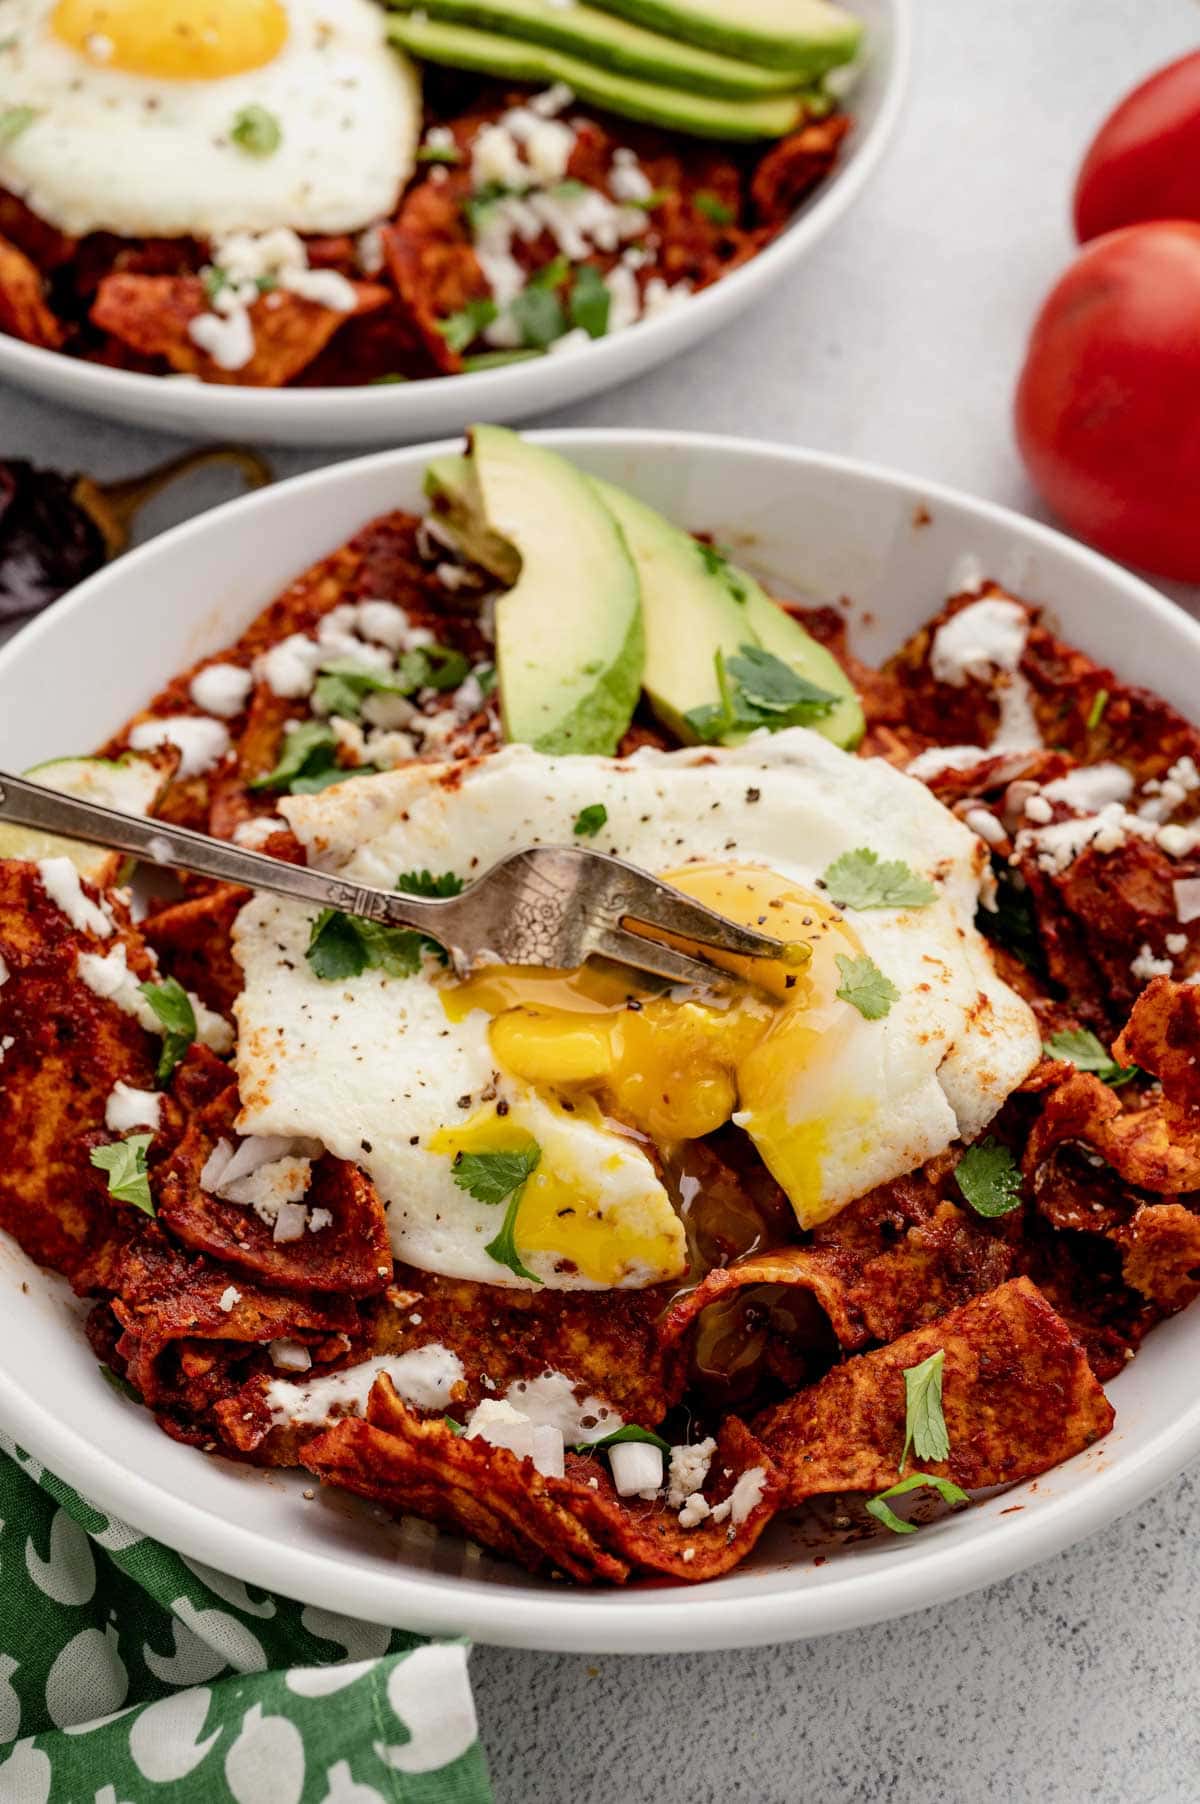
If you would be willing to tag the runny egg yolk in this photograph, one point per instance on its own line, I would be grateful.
(177, 40)
(675, 1069)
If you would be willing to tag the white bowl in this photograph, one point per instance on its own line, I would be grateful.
(820, 527)
(402, 412)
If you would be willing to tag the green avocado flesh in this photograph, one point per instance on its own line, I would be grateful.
(611, 43)
(805, 36)
(132, 785)
(695, 605)
(509, 58)
(569, 644)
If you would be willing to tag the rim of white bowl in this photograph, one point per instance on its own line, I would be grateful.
(930, 1571)
(227, 411)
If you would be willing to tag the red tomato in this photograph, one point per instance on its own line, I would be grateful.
(1144, 162)
(1108, 405)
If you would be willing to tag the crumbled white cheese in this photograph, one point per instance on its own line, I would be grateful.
(1176, 943)
(637, 1469)
(388, 712)
(5, 1044)
(1187, 899)
(743, 1498)
(4, 971)
(1039, 810)
(268, 1188)
(227, 338)
(983, 822)
(627, 179)
(228, 1297)
(1145, 966)
(551, 1398)
(60, 880)
(128, 1108)
(500, 1425)
(383, 623)
(289, 1356)
(424, 1378)
(319, 1219)
(290, 668)
(254, 833)
(221, 689)
(694, 1510)
(369, 251)
(688, 1470)
(110, 978)
(1178, 842)
(202, 742)
(624, 298)
(496, 159)
(577, 339)
(555, 99)
(661, 298)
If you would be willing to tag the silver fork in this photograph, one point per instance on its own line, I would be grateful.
(545, 905)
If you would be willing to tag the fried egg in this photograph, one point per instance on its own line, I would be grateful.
(606, 1073)
(170, 118)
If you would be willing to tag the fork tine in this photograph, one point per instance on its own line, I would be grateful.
(668, 909)
(648, 955)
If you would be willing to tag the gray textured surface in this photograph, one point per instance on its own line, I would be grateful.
(899, 342)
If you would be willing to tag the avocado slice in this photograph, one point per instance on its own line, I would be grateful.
(806, 36)
(508, 58)
(611, 43)
(569, 641)
(132, 785)
(696, 604)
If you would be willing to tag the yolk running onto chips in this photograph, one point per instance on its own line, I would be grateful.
(675, 1069)
(176, 40)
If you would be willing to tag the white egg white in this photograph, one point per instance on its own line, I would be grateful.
(142, 156)
(375, 1060)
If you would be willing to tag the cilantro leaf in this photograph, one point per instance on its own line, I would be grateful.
(424, 883)
(589, 820)
(312, 783)
(713, 208)
(1096, 712)
(119, 1384)
(456, 1428)
(538, 316)
(257, 132)
(865, 986)
(478, 207)
(861, 879)
(924, 1423)
(717, 564)
(757, 689)
(1013, 922)
(946, 1490)
(342, 946)
(14, 120)
(1086, 1053)
(988, 1177)
(462, 328)
(308, 751)
(490, 1178)
(173, 1006)
(439, 153)
(552, 274)
(125, 1163)
(630, 1432)
(343, 685)
(590, 301)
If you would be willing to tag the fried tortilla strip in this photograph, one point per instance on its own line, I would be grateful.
(23, 309)
(575, 1524)
(194, 941)
(1154, 1144)
(1017, 1394)
(152, 314)
(1161, 1248)
(794, 166)
(64, 1049)
(433, 263)
(351, 1254)
(938, 1266)
(166, 1296)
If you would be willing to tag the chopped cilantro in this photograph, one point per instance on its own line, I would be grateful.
(343, 685)
(861, 879)
(630, 1432)
(257, 132)
(424, 883)
(173, 1006)
(589, 820)
(1013, 922)
(649, 202)
(439, 153)
(342, 945)
(14, 120)
(1096, 711)
(481, 203)
(988, 1177)
(212, 279)
(946, 1490)
(569, 190)
(119, 1384)
(496, 360)
(757, 689)
(125, 1163)
(485, 676)
(461, 328)
(538, 316)
(865, 986)
(454, 1427)
(1085, 1051)
(713, 208)
(308, 751)
(590, 301)
(551, 275)
(717, 564)
(386, 381)
(493, 1177)
(924, 1423)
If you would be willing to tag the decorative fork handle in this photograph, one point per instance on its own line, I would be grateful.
(27, 804)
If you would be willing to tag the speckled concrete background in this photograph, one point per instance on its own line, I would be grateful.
(899, 341)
